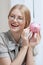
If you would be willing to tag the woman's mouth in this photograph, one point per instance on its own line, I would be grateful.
(14, 25)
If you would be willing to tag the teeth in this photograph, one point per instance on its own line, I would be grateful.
(14, 25)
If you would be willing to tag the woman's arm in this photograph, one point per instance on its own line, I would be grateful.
(33, 42)
(30, 58)
(19, 59)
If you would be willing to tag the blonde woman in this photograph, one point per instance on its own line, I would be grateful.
(15, 47)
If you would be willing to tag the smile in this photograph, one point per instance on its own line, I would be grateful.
(14, 25)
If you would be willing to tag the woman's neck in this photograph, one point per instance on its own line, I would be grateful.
(16, 36)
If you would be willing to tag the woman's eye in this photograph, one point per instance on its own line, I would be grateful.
(20, 18)
(12, 16)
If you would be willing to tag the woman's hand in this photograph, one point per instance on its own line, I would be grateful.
(35, 39)
(24, 37)
(29, 38)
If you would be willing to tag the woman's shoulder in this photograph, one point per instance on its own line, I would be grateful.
(3, 36)
(3, 47)
(3, 33)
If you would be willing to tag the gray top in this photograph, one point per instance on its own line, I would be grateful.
(8, 46)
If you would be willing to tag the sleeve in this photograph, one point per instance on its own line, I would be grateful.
(3, 49)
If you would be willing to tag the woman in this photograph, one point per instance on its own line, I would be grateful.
(15, 47)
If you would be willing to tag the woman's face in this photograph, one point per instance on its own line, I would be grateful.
(16, 20)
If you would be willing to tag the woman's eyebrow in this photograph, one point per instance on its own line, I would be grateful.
(20, 16)
(12, 14)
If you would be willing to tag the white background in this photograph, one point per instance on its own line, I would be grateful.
(5, 5)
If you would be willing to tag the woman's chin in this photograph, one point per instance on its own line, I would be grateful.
(14, 30)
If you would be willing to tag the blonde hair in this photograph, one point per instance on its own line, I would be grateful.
(24, 10)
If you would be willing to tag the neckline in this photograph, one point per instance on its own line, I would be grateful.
(17, 43)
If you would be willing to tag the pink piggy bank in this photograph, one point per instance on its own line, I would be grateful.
(35, 28)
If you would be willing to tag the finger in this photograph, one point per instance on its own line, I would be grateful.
(38, 38)
(30, 35)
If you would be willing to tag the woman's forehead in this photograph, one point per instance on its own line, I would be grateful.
(17, 11)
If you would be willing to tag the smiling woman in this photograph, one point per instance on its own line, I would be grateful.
(15, 47)
(16, 20)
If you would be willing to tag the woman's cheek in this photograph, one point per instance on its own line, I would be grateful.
(22, 26)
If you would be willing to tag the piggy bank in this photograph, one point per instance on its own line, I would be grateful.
(35, 28)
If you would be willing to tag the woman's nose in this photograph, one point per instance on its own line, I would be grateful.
(15, 19)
